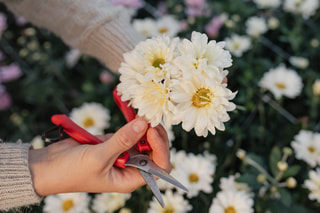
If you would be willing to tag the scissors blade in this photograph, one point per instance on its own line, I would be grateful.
(143, 162)
(152, 183)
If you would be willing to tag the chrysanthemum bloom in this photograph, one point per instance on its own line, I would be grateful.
(306, 145)
(175, 203)
(109, 202)
(145, 76)
(232, 201)
(93, 117)
(306, 8)
(263, 4)
(200, 106)
(230, 183)
(313, 185)
(146, 26)
(167, 25)
(37, 142)
(256, 26)
(237, 44)
(196, 173)
(67, 203)
(299, 62)
(202, 58)
(282, 81)
(10, 72)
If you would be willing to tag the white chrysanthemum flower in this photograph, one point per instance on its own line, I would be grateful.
(167, 25)
(273, 23)
(306, 8)
(109, 202)
(199, 56)
(299, 62)
(200, 106)
(147, 26)
(306, 145)
(93, 117)
(232, 201)
(72, 57)
(196, 174)
(230, 183)
(175, 203)
(177, 159)
(67, 203)
(263, 4)
(37, 142)
(256, 26)
(237, 44)
(313, 184)
(282, 81)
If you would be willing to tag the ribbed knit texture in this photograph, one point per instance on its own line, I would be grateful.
(16, 187)
(95, 27)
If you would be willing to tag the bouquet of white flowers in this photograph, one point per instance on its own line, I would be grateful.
(173, 81)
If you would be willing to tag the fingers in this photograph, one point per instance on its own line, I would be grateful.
(158, 140)
(125, 138)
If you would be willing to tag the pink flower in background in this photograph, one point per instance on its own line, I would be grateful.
(213, 27)
(129, 3)
(106, 77)
(5, 98)
(195, 3)
(21, 20)
(3, 23)
(9, 73)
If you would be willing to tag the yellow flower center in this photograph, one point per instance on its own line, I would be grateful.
(168, 209)
(311, 149)
(202, 97)
(193, 178)
(159, 61)
(280, 85)
(67, 205)
(88, 122)
(230, 209)
(163, 30)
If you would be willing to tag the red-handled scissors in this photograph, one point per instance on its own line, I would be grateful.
(138, 158)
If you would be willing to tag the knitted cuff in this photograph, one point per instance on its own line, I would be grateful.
(112, 40)
(16, 187)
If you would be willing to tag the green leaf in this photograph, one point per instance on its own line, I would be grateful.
(285, 196)
(291, 171)
(274, 158)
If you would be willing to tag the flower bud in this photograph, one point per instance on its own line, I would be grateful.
(241, 154)
(316, 87)
(291, 182)
(261, 178)
(282, 166)
(287, 151)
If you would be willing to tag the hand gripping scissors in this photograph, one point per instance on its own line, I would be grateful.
(137, 158)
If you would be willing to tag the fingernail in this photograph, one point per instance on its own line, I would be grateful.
(139, 125)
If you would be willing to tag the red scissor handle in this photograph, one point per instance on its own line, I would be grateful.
(129, 114)
(83, 136)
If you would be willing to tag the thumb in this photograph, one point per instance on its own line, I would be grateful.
(127, 136)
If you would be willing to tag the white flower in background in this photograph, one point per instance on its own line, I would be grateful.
(313, 185)
(93, 117)
(273, 23)
(37, 142)
(146, 26)
(167, 25)
(306, 145)
(175, 203)
(237, 44)
(200, 57)
(67, 203)
(232, 201)
(196, 173)
(316, 87)
(306, 8)
(230, 183)
(282, 81)
(72, 57)
(299, 62)
(200, 106)
(177, 158)
(109, 202)
(256, 26)
(263, 4)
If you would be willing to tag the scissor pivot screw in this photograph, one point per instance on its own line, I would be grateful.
(142, 142)
(143, 162)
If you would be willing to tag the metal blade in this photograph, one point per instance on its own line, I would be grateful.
(151, 181)
(144, 163)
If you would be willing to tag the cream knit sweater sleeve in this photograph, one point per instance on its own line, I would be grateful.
(95, 27)
(16, 187)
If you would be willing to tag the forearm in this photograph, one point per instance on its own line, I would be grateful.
(16, 187)
(96, 28)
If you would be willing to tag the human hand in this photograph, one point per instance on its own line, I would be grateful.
(68, 166)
